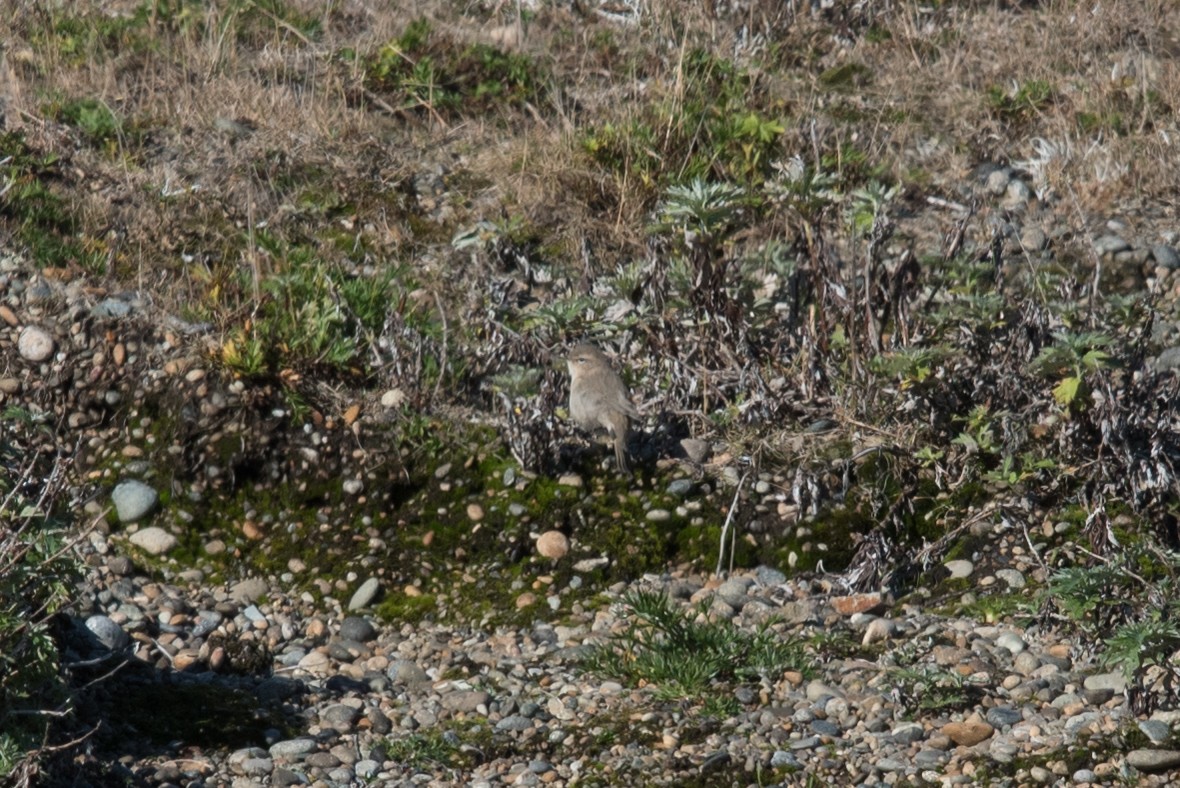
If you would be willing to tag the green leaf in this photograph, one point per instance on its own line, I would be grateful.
(1066, 391)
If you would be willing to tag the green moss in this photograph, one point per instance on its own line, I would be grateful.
(403, 608)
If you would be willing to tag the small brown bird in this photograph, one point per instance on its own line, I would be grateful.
(599, 399)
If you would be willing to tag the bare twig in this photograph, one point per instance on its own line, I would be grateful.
(729, 521)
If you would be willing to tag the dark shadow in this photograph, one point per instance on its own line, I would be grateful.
(127, 710)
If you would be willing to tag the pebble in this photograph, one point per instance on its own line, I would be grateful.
(1152, 761)
(153, 540)
(107, 632)
(1110, 245)
(133, 500)
(364, 594)
(1165, 256)
(34, 344)
(553, 545)
(959, 568)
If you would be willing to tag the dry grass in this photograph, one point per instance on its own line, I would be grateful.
(240, 119)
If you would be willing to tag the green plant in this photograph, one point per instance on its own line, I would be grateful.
(1019, 103)
(1129, 601)
(685, 654)
(37, 571)
(1070, 359)
(978, 435)
(933, 688)
(866, 204)
(312, 315)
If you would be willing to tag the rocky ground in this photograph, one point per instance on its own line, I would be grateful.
(197, 672)
(310, 563)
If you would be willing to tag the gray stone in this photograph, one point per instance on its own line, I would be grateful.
(107, 632)
(826, 728)
(781, 759)
(282, 777)
(996, 182)
(1110, 245)
(697, 450)
(1169, 358)
(1165, 256)
(1156, 730)
(680, 488)
(34, 344)
(358, 629)
(1154, 760)
(1111, 681)
(959, 568)
(340, 716)
(1033, 239)
(930, 758)
(207, 621)
(133, 500)
(120, 565)
(249, 590)
(768, 576)
(890, 765)
(1012, 577)
(366, 769)
(465, 701)
(1012, 642)
(1084, 776)
(111, 307)
(908, 733)
(514, 722)
(154, 540)
(293, 748)
(1025, 663)
(1087, 719)
(403, 671)
(365, 594)
(1004, 715)
(1016, 195)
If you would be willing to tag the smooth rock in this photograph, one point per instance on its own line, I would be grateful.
(1156, 730)
(249, 590)
(111, 307)
(358, 629)
(403, 671)
(293, 748)
(968, 733)
(34, 344)
(154, 540)
(878, 629)
(696, 450)
(1113, 681)
(553, 545)
(365, 594)
(1165, 256)
(1110, 245)
(959, 568)
(1012, 642)
(133, 500)
(857, 603)
(1012, 577)
(1154, 760)
(107, 632)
